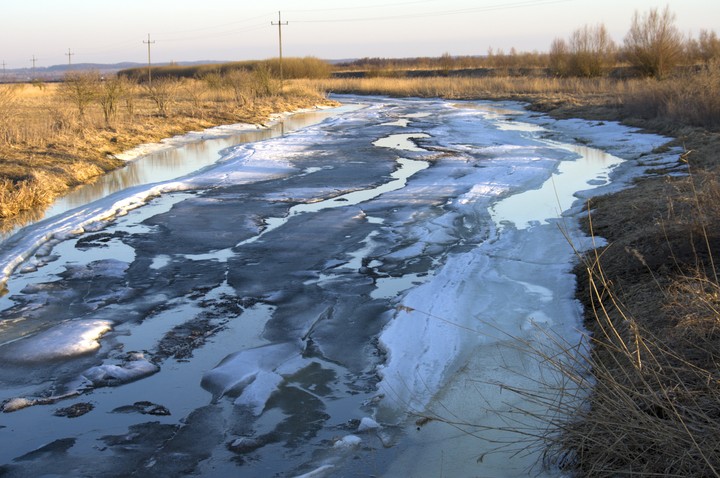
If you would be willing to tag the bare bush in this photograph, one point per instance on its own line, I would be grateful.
(708, 46)
(109, 95)
(81, 89)
(653, 44)
(263, 81)
(591, 51)
(163, 93)
(239, 82)
(559, 57)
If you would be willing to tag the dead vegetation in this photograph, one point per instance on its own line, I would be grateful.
(652, 297)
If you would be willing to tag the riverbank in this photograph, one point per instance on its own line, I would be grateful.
(48, 146)
(652, 308)
(651, 301)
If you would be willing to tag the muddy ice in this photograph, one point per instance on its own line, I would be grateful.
(295, 307)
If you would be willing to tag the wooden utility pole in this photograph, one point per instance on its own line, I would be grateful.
(33, 60)
(149, 64)
(69, 54)
(280, 25)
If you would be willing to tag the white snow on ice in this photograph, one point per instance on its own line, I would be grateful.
(63, 341)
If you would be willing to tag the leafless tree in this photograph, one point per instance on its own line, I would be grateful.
(163, 93)
(709, 45)
(239, 82)
(110, 93)
(558, 57)
(80, 88)
(591, 51)
(654, 44)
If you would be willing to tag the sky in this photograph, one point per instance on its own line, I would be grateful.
(109, 31)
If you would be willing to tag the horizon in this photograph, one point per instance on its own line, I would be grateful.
(179, 31)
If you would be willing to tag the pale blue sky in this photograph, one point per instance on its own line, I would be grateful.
(105, 31)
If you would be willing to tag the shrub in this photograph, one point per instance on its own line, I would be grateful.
(559, 57)
(708, 46)
(80, 89)
(653, 44)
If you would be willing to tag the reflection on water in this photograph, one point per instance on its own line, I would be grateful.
(592, 168)
(176, 162)
(172, 163)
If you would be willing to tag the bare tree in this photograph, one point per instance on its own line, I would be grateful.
(81, 89)
(559, 57)
(591, 51)
(163, 93)
(708, 45)
(239, 82)
(110, 93)
(653, 44)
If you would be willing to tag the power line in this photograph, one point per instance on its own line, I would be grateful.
(69, 54)
(364, 7)
(464, 11)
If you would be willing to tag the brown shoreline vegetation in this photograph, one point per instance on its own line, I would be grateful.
(652, 295)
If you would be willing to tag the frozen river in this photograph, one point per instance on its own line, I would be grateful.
(349, 299)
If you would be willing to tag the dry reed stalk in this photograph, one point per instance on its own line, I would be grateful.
(654, 409)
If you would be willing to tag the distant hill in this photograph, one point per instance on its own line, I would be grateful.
(56, 72)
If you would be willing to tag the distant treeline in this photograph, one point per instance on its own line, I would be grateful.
(653, 47)
(292, 68)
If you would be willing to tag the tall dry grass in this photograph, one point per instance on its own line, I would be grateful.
(691, 97)
(492, 87)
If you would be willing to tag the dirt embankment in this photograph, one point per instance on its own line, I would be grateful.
(652, 301)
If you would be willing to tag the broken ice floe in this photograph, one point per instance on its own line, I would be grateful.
(64, 341)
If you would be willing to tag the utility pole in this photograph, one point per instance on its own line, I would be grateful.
(33, 60)
(149, 64)
(4, 65)
(280, 25)
(69, 54)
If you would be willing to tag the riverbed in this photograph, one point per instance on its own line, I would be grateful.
(356, 297)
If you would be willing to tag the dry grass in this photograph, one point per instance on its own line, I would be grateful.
(689, 98)
(491, 87)
(653, 302)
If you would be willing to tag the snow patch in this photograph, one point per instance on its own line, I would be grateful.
(64, 341)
